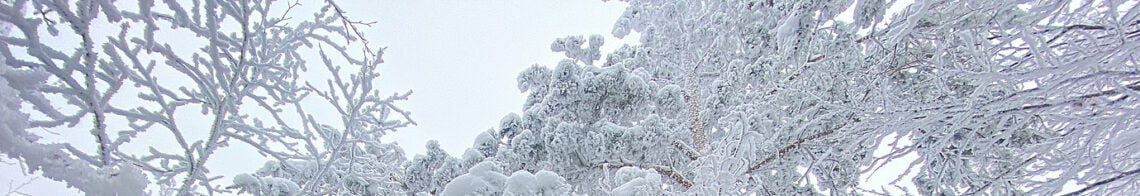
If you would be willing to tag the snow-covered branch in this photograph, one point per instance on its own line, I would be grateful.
(247, 70)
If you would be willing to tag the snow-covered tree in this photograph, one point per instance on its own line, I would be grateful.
(737, 97)
(486, 178)
(779, 97)
(247, 70)
(1008, 97)
(429, 173)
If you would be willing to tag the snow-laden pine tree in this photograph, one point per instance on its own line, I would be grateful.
(782, 97)
(197, 77)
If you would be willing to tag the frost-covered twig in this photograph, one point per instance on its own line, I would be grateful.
(1096, 184)
(239, 79)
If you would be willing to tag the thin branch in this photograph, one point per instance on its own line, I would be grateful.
(1105, 181)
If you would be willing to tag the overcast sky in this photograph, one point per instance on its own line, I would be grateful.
(460, 58)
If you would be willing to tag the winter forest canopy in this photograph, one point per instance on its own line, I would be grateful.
(769, 97)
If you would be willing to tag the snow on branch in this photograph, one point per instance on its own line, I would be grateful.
(242, 70)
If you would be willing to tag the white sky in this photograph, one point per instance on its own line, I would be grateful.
(460, 58)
